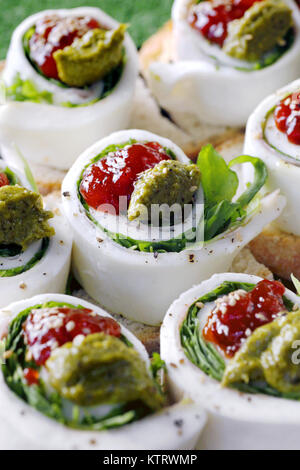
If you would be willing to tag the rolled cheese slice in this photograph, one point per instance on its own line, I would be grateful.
(54, 134)
(209, 84)
(281, 156)
(236, 420)
(141, 285)
(21, 426)
(44, 265)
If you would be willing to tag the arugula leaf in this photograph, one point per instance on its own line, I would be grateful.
(219, 217)
(260, 176)
(220, 184)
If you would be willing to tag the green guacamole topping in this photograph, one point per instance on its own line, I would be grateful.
(90, 58)
(267, 355)
(102, 370)
(169, 182)
(263, 26)
(23, 219)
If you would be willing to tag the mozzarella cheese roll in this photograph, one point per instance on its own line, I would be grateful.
(148, 224)
(35, 244)
(69, 78)
(232, 344)
(73, 378)
(228, 56)
(272, 132)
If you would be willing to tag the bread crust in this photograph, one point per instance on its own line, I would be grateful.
(279, 251)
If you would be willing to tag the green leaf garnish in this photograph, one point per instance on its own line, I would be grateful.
(25, 90)
(220, 184)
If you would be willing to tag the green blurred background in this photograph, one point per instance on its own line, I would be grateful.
(144, 16)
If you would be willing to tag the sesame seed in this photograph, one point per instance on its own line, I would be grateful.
(78, 340)
(70, 326)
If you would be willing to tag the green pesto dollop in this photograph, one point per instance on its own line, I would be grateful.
(23, 219)
(267, 356)
(263, 26)
(102, 370)
(169, 182)
(91, 57)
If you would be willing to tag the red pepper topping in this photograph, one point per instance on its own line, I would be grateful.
(237, 315)
(114, 176)
(4, 181)
(53, 33)
(31, 376)
(212, 17)
(48, 328)
(287, 117)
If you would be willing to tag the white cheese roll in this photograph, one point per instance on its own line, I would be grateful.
(55, 134)
(209, 84)
(137, 284)
(44, 265)
(237, 420)
(281, 156)
(173, 427)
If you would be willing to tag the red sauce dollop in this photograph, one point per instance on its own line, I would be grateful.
(53, 33)
(114, 176)
(229, 325)
(212, 18)
(4, 181)
(48, 328)
(31, 376)
(287, 117)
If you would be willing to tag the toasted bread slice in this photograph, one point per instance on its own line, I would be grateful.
(279, 251)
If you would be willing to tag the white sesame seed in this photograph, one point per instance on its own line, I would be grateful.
(70, 326)
(78, 340)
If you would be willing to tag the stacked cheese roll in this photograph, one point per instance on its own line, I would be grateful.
(88, 386)
(137, 266)
(34, 253)
(242, 332)
(273, 133)
(69, 77)
(227, 57)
